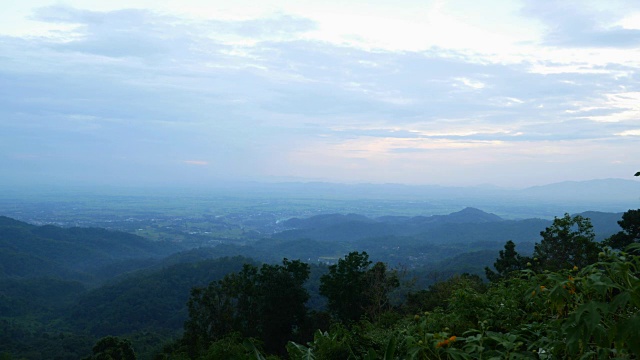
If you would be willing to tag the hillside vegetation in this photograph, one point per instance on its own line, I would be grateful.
(143, 296)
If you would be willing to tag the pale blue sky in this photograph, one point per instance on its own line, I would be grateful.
(511, 93)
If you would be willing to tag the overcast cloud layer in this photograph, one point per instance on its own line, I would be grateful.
(442, 92)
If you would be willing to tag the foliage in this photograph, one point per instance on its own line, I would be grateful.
(71, 253)
(380, 283)
(364, 340)
(28, 340)
(249, 302)
(112, 348)
(354, 289)
(345, 286)
(150, 301)
(439, 294)
(553, 309)
(595, 310)
(336, 345)
(508, 261)
(574, 313)
(630, 233)
(278, 286)
(568, 242)
(230, 347)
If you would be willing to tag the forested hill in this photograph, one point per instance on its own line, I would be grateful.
(466, 226)
(71, 253)
(93, 255)
(54, 297)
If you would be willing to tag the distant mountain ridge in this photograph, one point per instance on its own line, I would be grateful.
(614, 188)
(92, 254)
(592, 190)
(610, 195)
(64, 251)
(466, 215)
(471, 224)
(352, 227)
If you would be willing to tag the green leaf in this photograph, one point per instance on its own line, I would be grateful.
(391, 348)
(299, 352)
(252, 348)
(628, 331)
(371, 355)
(621, 300)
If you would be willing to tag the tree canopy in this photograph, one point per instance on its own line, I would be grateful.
(267, 303)
(353, 288)
(568, 242)
(630, 233)
(112, 348)
(508, 261)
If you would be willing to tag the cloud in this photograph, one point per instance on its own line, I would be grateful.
(473, 84)
(278, 27)
(196, 162)
(632, 132)
(138, 89)
(147, 34)
(617, 107)
(120, 33)
(584, 23)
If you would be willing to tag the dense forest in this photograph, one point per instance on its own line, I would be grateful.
(343, 287)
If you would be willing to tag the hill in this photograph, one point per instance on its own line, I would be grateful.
(417, 241)
(152, 300)
(28, 251)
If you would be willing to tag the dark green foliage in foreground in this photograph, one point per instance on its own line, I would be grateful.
(112, 348)
(630, 233)
(345, 286)
(281, 305)
(438, 294)
(508, 261)
(587, 313)
(569, 242)
(355, 289)
(267, 303)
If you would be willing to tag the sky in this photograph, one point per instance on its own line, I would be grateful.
(183, 93)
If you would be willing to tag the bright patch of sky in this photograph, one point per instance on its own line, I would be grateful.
(457, 92)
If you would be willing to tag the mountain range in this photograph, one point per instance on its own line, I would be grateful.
(468, 225)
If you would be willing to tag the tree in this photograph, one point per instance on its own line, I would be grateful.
(568, 242)
(212, 315)
(266, 303)
(112, 348)
(353, 289)
(380, 283)
(439, 293)
(630, 233)
(345, 286)
(281, 305)
(508, 261)
(243, 288)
